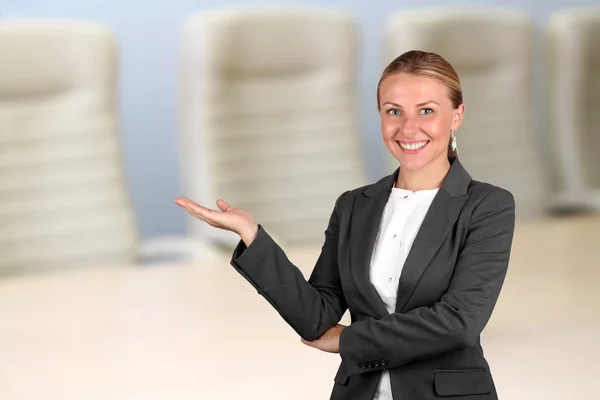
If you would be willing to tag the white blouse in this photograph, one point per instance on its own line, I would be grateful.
(401, 220)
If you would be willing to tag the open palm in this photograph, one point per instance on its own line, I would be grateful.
(226, 217)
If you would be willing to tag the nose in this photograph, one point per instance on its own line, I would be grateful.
(410, 128)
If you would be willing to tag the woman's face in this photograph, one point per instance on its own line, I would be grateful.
(416, 119)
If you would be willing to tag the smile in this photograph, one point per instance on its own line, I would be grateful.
(414, 146)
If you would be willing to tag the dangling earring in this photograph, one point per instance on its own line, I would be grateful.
(453, 141)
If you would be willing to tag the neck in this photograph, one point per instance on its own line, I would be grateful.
(430, 177)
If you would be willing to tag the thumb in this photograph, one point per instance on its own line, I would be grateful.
(223, 205)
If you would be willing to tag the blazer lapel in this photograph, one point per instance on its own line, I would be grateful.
(439, 220)
(366, 220)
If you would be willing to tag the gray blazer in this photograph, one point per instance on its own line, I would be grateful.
(447, 290)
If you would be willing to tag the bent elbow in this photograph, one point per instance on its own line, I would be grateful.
(308, 331)
(309, 336)
(467, 338)
(314, 332)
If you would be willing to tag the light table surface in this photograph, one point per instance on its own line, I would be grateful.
(200, 331)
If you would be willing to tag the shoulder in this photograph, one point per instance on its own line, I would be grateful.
(488, 217)
(477, 191)
(384, 183)
(485, 196)
(488, 213)
(346, 199)
(482, 196)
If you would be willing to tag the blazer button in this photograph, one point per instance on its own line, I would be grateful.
(376, 363)
(383, 362)
(370, 364)
(362, 365)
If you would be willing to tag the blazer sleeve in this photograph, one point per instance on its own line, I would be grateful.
(309, 307)
(457, 320)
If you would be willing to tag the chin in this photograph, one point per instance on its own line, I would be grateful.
(413, 164)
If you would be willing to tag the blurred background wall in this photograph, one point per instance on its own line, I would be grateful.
(148, 35)
(152, 333)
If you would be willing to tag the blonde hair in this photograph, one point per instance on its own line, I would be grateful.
(432, 65)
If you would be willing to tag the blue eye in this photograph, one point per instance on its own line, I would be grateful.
(429, 111)
(393, 111)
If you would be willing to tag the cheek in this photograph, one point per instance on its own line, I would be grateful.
(437, 129)
(388, 128)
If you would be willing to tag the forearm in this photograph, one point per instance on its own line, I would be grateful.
(398, 339)
(309, 310)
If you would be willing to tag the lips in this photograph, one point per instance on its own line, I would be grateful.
(413, 147)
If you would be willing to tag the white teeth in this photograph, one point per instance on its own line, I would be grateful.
(413, 146)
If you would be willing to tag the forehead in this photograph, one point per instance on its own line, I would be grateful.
(412, 88)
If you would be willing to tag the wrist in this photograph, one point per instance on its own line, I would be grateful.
(248, 234)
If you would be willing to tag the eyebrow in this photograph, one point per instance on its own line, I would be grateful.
(418, 105)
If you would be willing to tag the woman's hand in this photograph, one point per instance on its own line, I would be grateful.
(228, 218)
(329, 341)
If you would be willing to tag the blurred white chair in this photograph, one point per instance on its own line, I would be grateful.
(269, 116)
(573, 38)
(490, 48)
(63, 201)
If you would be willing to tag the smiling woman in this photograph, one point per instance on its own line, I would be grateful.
(418, 257)
(420, 102)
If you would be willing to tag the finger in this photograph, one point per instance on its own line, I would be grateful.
(201, 211)
(223, 205)
(198, 211)
(184, 201)
(194, 207)
(187, 207)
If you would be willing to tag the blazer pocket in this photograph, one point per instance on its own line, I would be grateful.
(462, 382)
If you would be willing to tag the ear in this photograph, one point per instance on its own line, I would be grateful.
(458, 117)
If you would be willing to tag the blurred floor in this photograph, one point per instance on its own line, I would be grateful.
(202, 332)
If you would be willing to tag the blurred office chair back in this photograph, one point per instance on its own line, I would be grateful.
(63, 201)
(269, 116)
(490, 48)
(573, 38)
